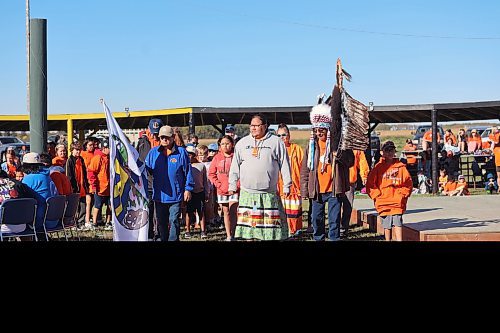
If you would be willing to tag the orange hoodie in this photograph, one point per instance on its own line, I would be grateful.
(360, 164)
(62, 183)
(390, 186)
(98, 172)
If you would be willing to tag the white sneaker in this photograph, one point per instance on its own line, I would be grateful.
(108, 226)
(88, 226)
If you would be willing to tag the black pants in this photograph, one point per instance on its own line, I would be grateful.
(153, 224)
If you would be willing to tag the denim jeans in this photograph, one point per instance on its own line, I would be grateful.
(318, 217)
(167, 217)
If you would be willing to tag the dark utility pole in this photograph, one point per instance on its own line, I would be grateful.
(38, 85)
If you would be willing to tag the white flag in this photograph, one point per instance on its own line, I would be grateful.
(128, 183)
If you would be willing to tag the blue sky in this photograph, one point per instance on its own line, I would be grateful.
(152, 54)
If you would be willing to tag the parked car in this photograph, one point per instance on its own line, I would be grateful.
(20, 147)
(374, 141)
(53, 138)
(374, 150)
(485, 137)
(419, 133)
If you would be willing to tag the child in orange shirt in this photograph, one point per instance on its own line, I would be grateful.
(462, 187)
(450, 186)
(443, 179)
(389, 185)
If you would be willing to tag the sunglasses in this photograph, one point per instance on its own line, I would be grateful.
(164, 137)
(282, 135)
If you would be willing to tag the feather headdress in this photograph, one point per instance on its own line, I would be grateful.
(320, 117)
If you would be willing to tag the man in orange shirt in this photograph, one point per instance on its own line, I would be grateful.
(427, 139)
(98, 172)
(389, 184)
(494, 138)
(324, 177)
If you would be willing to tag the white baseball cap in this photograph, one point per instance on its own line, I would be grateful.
(31, 158)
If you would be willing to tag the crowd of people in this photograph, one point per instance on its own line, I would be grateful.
(451, 147)
(253, 187)
(44, 175)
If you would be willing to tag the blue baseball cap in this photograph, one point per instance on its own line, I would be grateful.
(155, 125)
(230, 128)
(213, 147)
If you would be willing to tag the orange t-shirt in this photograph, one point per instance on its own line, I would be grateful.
(465, 187)
(443, 180)
(450, 186)
(59, 161)
(360, 164)
(496, 151)
(452, 137)
(295, 156)
(410, 158)
(87, 157)
(99, 171)
(324, 178)
(12, 170)
(80, 177)
(62, 183)
(428, 136)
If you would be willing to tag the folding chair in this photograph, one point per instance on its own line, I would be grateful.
(70, 215)
(17, 212)
(56, 207)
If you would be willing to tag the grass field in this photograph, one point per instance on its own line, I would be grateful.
(217, 235)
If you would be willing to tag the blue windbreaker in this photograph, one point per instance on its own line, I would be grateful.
(44, 188)
(171, 174)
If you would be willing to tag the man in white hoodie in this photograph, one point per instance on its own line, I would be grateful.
(258, 160)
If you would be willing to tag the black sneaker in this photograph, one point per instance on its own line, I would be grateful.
(203, 235)
(187, 235)
(342, 233)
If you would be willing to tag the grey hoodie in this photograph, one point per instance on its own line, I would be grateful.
(259, 174)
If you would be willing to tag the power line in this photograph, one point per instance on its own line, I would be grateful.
(325, 27)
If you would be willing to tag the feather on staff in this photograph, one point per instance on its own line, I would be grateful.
(350, 117)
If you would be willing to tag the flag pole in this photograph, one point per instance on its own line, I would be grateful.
(28, 46)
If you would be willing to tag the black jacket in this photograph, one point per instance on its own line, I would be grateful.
(70, 172)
